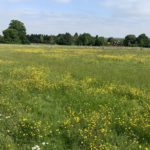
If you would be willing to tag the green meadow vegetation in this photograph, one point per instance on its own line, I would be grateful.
(74, 98)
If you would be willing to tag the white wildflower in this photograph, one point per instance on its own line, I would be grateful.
(45, 143)
(36, 147)
(7, 117)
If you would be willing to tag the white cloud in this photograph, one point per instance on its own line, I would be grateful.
(129, 8)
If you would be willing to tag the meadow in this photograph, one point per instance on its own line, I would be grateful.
(74, 98)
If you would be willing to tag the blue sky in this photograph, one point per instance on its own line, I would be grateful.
(103, 17)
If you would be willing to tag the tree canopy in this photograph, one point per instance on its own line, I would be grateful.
(130, 40)
(15, 33)
(143, 41)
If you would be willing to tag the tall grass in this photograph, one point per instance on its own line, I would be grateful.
(74, 98)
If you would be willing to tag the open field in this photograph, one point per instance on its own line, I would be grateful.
(74, 98)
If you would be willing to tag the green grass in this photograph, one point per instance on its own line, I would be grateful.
(74, 98)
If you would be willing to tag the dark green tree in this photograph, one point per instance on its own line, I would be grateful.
(11, 36)
(130, 40)
(143, 41)
(16, 33)
(85, 39)
(99, 41)
(65, 39)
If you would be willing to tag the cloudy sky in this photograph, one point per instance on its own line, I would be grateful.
(103, 17)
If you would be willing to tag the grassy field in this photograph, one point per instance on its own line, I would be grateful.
(74, 98)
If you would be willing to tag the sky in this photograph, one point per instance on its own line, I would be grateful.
(107, 18)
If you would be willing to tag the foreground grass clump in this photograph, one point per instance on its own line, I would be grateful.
(74, 98)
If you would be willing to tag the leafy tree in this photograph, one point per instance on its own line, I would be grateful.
(20, 27)
(39, 38)
(34, 38)
(64, 39)
(11, 36)
(130, 40)
(143, 41)
(46, 39)
(99, 41)
(16, 32)
(85, 39)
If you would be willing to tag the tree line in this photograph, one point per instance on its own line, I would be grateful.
(16, 34)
